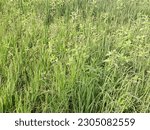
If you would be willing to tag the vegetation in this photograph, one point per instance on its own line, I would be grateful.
(74, 56)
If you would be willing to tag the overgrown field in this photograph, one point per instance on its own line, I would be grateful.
(74, 55)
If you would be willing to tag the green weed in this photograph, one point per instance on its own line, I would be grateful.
(74, 56)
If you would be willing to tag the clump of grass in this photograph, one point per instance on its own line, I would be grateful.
(75, 56)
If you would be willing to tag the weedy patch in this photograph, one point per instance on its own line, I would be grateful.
(74, 56)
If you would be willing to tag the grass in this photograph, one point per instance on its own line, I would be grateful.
(74, 56)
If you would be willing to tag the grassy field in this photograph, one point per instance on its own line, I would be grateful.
(74, 56)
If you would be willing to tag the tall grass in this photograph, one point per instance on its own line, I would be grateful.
(74, 56)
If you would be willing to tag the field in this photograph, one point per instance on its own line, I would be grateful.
(74, 56)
